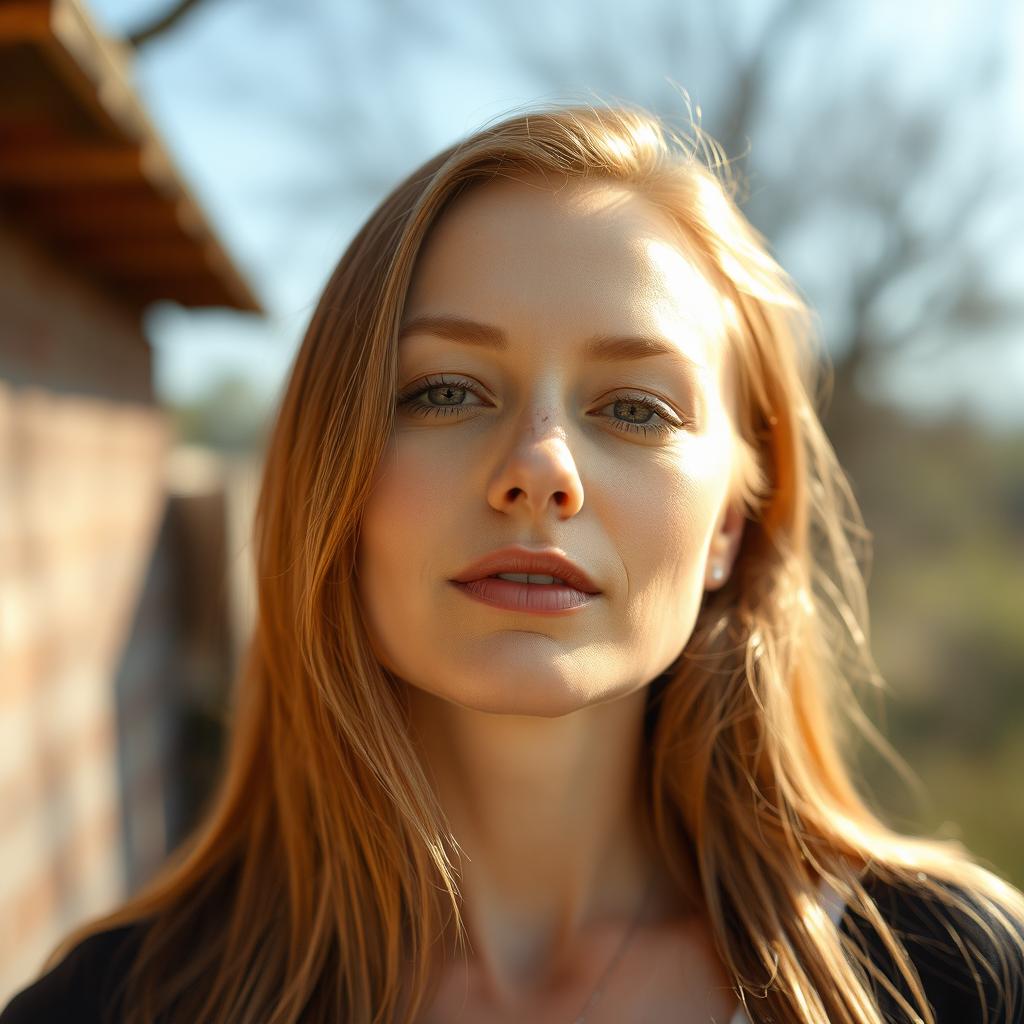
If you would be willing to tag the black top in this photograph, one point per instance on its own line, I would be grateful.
(82, 988)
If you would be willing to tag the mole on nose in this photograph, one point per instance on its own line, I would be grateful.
(541, 419)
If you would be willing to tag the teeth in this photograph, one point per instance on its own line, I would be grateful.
(522, 577)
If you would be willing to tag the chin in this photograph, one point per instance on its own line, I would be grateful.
(542, 706)
(544, 698)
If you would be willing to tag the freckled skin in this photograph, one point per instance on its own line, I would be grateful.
(530, 727)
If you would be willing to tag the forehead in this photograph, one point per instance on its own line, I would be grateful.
(565, 259)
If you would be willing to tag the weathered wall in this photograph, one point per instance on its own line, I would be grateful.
(81, 500)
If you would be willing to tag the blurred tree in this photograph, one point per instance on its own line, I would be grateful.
(230, 415)
(859, 162)
(843, 158)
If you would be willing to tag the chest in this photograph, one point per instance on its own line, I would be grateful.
(669, 974)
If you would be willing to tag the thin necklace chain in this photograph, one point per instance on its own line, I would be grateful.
(599, 991)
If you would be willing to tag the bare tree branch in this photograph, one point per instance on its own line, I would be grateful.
(157, 28)
(751, 80)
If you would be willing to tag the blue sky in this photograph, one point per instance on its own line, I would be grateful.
(290, 119)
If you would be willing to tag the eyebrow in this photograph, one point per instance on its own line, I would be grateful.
(603, 348)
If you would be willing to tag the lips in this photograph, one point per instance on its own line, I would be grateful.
(518, 559)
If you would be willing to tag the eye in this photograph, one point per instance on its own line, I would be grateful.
(659, 418)
(448, 393)
(446, 399)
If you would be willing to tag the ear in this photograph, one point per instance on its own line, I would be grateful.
(724, 547)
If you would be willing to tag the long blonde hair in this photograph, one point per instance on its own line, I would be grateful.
(324, 870)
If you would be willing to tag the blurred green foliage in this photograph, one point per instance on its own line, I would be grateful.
(229, 415)
(945, 503)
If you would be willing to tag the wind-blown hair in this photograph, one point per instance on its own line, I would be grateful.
(323, 871)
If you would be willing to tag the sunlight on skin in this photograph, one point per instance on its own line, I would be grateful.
(530, 726)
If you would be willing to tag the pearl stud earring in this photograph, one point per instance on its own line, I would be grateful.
(717, 573)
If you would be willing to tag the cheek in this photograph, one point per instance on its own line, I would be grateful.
(667, 522)
(408, 497)
(662, 538)
(664, 532)
(403, 516)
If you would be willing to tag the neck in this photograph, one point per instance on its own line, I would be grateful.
(548, 815)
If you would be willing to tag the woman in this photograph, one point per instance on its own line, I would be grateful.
(609, 789)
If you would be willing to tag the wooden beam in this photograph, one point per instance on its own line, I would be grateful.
(69, 163)
(98, 69)
(88, 174)
(191, 292)
(27, 21)
(137, 258)
(97, 216)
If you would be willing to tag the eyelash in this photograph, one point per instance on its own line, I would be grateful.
(408, 400)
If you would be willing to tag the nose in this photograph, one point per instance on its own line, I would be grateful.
(538, 472)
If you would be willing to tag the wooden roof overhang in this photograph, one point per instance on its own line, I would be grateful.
(84, 171)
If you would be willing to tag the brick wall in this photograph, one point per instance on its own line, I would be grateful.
(81, 504)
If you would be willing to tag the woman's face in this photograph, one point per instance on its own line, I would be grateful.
(539, 444)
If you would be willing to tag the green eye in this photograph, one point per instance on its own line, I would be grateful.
(411, 400)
